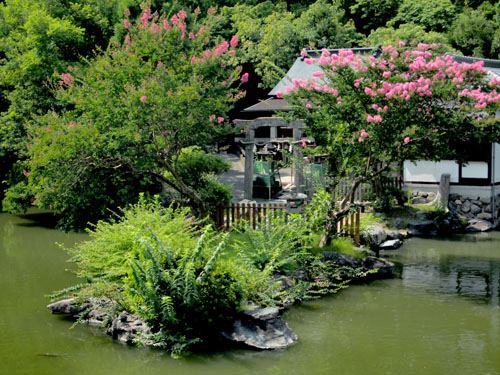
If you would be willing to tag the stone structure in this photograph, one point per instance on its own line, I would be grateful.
(250, 141)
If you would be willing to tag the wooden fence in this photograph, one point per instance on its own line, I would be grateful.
(363, 192)
(259, 215)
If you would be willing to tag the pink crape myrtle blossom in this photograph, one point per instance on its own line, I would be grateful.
(406, 140)
(126, 23)
(234, 41)
(244, 78)
(143, 98)
(220, 119)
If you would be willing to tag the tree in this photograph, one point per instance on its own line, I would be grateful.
(433, 15)
(129, 115)
(473, 33)
(410, 33)
(369, 15)
(38, 39)
(408, 104)
(271, 35)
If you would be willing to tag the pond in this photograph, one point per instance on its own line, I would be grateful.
(441, 316)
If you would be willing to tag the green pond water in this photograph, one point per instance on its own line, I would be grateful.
(441, 316)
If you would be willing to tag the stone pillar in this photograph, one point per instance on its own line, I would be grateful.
(444, 191)
(273, 132)
(298, 163)
(249, 164)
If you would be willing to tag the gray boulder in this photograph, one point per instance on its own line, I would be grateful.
(425, 215)
(477, 225)
(128, 329)
(385, 268)
(375, 235)
(466, 206)
(422, 228)
(475, 209)
(485, 216)
(390, 245)
(343, 260)
(68, 306)
(261, 328)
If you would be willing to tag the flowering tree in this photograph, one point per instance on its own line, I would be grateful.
(407, 104)
(168, 86)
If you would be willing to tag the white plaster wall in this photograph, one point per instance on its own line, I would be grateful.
(497, 162)
(430, 171)
(475, 169)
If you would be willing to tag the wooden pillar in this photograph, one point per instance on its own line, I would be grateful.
(298, 167)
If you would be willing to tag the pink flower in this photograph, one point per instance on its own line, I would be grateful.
(66, 78)
(175, 19)
(401, 44)
(304, 143)
(303, 53)
(126, 24)
(309, 60)
(406, 140)
(279, 94)
(166, 25)
(369, 118)
(182, 14)
(244, 78)
(26, 173)
(159, 63)
(191, 36)
(143, 98)
(212, 117)
(145, 17)
(155, 29)
(318, 74)
(361, 139)
(386, 74)
(234, 41)
(363, 134)
(232, 52)
(220, 119)
(308, 105)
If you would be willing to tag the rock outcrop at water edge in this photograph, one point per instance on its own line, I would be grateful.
(261, 328)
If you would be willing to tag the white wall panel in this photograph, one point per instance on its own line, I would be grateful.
(475, 169)
(430, 171)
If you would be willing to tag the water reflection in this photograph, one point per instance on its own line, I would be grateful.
(470, 268)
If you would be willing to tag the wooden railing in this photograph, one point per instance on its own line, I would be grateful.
(258, 215)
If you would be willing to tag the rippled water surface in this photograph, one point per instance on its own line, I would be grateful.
(441, 317)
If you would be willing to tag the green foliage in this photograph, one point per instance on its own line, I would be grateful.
(39, 39)
(433, 15)
(156, 263)
(369, 15)
(272, 36)
(129, 114)
(317, 210)
(275, 248)
(474, 34)
(411, 34)
(198, 169)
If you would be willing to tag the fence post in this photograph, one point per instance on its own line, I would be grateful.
(254, 211)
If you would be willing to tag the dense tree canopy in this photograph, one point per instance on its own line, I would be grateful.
(129, 115)
(408, 104)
